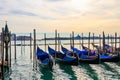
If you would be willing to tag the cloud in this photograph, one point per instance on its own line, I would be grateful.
(1, 8)
(19, 12)
(47, 17)
(25, 8)
(62, 13)
(55, 0)
(41, 8)
(102, 9)
(25, 13)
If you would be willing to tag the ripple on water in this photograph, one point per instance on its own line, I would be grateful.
(90, 71)
(22, 70)
(59, 74)
(99, 70)
(116, 69)
(81, 73)
(105, 72)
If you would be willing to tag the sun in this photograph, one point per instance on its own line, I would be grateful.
(81, 5)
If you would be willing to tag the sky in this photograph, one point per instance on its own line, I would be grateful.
(64, 15)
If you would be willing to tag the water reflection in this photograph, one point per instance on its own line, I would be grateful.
(118, 63)
(46, 74)
(68, 69)
(22, 69)
(59, 74)
(116, 70)
(81, 73)
(109, 68)
(110, 72)
(90, 71)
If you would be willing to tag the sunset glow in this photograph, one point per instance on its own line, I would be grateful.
(81, 5)
(63, 15)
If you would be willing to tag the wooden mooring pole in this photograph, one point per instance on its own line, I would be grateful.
(45, 41)
(2, 52)
(100, 42)
(89, 44)
(9, 55)
(119, 41)
(21, 45)
(73, 44)
(24, 44)
(103, 42)
(93, 40)
(82, 41)
(58, 42)
(30, 46)
(108, 39)
(111, 37)
(15, 45)
(89, 40)
(34, 51)
(73, 41)
(115, 42)
(10, 51)
(55, 42)
(70, 40)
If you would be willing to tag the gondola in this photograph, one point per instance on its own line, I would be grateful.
(92, 58)
(110, 58)
(44, 59)
(62, 58)
(107, 55)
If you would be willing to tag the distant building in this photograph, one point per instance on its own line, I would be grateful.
(12, 36)
(23, 37)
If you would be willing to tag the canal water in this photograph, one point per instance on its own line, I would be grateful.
(22, 68)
